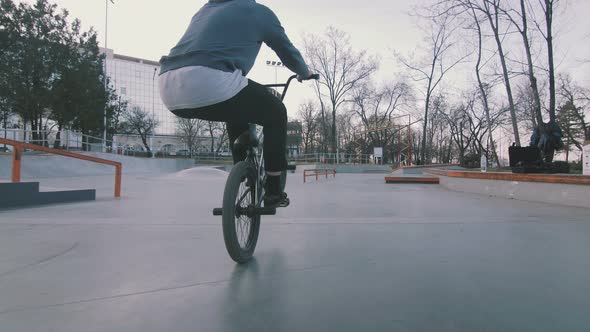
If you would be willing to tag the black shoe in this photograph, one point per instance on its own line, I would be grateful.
(276, 201)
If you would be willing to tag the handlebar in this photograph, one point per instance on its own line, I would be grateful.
(285, 86)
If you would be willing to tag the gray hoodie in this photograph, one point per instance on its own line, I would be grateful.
(227, 35)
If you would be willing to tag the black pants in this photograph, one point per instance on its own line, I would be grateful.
(254, 104)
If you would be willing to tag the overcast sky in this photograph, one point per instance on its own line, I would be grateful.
(149, 28)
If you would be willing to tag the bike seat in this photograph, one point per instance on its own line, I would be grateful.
(247, 139)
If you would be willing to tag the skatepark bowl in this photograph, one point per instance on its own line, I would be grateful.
(351, 253)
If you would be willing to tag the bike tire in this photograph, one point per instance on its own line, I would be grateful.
(233, 225)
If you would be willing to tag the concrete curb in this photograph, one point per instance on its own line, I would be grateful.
(574, 195)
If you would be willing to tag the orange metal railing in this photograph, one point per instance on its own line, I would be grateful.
(317, 173)
(17, 160)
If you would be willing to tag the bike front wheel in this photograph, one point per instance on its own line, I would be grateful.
(240, 230)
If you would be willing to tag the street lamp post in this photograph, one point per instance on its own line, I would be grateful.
(106, 36)
(276, 65)
(154, 110)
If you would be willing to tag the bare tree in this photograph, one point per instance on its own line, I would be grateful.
(189, 131)
(458, 122)
(140, 122)
(217, 132)
(481, 126)
(437, 126)
(222, 137)
(466, 130)
(432, 70)
(483, 88)
(526, 107)
(323, 120)
(376, 108)
(491, 9)
(346, 130)
(523, 29)
(340, 68)
(585, 101)
(547, 6)
(309, 118)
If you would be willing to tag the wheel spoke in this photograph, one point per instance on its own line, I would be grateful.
(243, 222)
(242, 196)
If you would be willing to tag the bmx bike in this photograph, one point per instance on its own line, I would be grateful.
(244, 192)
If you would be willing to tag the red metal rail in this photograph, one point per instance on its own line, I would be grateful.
(17, 160)
(317, 173)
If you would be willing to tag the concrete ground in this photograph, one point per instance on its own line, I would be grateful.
(350, 254)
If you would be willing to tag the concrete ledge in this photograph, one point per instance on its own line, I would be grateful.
(544, 178)
(27, 194)
(411, 179)
(552, 189)
(420, 167)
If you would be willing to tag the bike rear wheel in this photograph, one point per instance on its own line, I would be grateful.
(240, 231)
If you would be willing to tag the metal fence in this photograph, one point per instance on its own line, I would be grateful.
(74, 141)
(69, 140)
(333, 158)
(314, 158)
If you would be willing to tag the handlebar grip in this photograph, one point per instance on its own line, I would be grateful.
(315, 77)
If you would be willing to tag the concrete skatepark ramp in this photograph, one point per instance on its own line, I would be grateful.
(54, 163)
(47, 166)
(416, 174)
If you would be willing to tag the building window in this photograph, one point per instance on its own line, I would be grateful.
(123, 91)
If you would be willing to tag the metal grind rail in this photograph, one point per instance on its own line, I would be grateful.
(317, 173)
(17, 160)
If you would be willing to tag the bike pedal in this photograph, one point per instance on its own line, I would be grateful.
(218, 212)
(266, 211)
(284, 202)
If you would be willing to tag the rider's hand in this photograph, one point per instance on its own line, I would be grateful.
(302, 78)
(305, 78)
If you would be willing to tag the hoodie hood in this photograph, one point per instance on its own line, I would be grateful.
(222, 1)
(227, 35)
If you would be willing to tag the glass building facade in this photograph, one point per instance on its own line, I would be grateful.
(136, 80)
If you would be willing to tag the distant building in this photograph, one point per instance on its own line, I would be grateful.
(136, 80)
